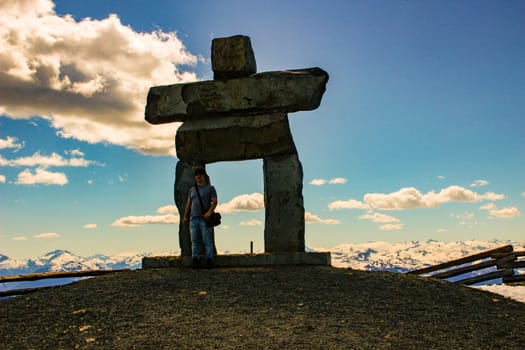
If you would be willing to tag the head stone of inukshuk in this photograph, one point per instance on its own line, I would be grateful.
(242, 115)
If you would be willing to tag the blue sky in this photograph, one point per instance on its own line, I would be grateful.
(420, 134)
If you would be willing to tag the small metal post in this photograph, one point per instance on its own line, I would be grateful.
(251, 247)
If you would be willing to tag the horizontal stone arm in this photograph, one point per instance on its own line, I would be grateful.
(270, 92)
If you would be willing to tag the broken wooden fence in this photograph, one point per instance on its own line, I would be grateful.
(47, 275)
(504, 259)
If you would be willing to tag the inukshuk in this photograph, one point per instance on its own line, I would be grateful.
(241, 115)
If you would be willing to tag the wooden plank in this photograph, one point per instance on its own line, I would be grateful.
(500, 255)
(516, 264)
(515, 278)
(520, 253)
(464, 260)
(462, 270)
(63, 274)
(504, 262)
(486, 277)
(12, 292)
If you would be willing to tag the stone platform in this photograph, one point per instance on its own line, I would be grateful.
(243, 260)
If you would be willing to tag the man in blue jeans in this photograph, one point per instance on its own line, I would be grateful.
(197, 215)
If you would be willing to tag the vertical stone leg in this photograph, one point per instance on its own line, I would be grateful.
(184, 179)
(283, 196)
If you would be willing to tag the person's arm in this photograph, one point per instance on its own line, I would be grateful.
(187, 210)
(213, 205)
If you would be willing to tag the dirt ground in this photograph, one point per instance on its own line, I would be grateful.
(261, 308)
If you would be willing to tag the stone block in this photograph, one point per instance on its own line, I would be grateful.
(232, 57)
(283, 202)
(184, 179)
(234, 138)
(165, 104)
(244, 260)
(263, 93)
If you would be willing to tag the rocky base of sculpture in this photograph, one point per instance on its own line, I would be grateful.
(244, 260)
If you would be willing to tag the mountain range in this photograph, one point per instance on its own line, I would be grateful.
(374, 256)
(407, 256)
(64, 260)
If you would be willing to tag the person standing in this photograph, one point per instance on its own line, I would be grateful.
(197, 214)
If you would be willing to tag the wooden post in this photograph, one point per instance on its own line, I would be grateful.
(486, 277)
(489, 253)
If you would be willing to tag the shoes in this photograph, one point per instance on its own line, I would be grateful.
(209, 264)
(195, 263)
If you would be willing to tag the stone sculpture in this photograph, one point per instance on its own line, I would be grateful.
(242, 115)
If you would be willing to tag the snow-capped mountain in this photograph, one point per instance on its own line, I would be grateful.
(63, 260)
(375, 256)
(406, 256)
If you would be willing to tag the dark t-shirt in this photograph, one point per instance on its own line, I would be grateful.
(207, 192)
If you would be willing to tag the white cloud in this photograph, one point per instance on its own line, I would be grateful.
(46, 235)
(2, 179)
(468, 218)
(53, 160)
(136, 221)
(310, 218)
(168, 209)
(441, 177)
(19, 238)
(479, 183)
(391, 227)
(244, 202)
(405, 198)
(508, 212)
(90, 78)
(90, 226)
(349, 204)
(318, 182)
(75, 153)
(377, 217)
(251, 223)
(11, 142)
(503, 213)
(410, 198)
(334, 181)
(337, 181)
(41, 176)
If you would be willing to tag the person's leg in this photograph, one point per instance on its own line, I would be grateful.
(196, 238)
(207, 238)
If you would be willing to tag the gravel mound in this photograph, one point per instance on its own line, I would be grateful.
(288, 307)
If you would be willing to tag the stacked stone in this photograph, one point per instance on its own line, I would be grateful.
(242, 115)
